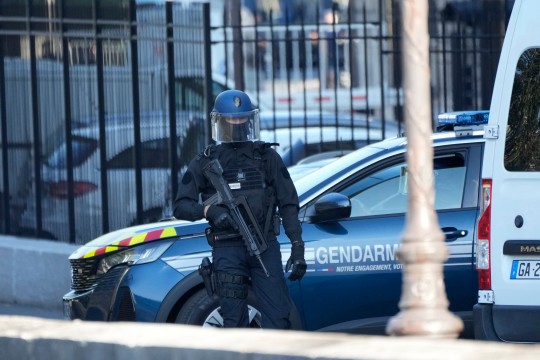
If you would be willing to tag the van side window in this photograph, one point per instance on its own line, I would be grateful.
(522, 149)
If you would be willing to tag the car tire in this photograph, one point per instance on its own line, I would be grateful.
(203, 310)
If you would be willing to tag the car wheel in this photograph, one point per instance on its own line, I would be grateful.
(203, 310)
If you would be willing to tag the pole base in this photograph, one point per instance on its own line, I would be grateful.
(434, 323)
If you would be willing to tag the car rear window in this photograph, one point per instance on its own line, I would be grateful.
(82, 149)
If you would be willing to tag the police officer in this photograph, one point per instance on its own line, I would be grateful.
(252, 169)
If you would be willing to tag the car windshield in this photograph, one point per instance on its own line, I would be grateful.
(301, 170)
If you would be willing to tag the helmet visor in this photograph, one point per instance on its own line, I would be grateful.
(235, 127)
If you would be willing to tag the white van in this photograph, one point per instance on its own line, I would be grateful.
(508, 245)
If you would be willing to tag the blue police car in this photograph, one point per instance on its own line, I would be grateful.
(353, 214)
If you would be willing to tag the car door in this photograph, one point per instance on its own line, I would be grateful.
(354, 278)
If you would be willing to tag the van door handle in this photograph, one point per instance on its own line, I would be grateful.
(451, 233)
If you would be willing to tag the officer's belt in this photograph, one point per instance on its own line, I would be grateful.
(228, 239)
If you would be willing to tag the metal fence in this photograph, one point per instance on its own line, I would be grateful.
(103, 106)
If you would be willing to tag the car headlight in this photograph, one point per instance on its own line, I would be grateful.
(141, 254)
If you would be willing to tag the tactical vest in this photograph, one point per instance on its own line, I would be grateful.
(247, 177)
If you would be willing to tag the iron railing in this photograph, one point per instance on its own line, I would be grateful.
(102, 107)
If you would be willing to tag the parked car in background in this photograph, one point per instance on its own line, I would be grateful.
(303, 134)
(352, 212)
(120, 166)
(155, 166)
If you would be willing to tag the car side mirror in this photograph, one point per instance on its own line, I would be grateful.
(330, 207)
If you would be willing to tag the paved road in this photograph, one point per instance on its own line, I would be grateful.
(8, 309)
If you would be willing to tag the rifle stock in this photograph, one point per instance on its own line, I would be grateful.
(239, 210)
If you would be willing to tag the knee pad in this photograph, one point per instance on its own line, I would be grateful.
(231, 286)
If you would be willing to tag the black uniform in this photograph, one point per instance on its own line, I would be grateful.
(256, 171)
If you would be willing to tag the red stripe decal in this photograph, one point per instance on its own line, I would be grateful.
(100, 251)
(153, 235)
(124, 242)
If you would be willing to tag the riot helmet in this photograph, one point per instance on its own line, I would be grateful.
(233, 118)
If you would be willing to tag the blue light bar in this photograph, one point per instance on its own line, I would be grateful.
(478, 117)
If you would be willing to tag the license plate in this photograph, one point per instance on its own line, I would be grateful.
(525, 269)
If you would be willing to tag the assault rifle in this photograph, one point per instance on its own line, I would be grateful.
(239, 210)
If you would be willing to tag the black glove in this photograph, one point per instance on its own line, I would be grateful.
(220, 218)
(297, 262)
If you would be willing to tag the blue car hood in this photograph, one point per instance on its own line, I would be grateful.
(127, 237)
